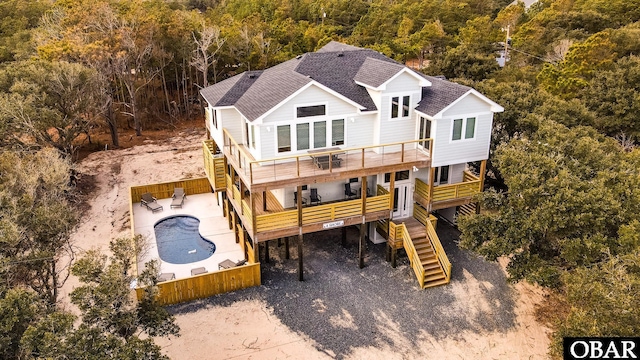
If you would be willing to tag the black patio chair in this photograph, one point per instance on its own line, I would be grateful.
(348, 193)
(295, 199)
(315, 198)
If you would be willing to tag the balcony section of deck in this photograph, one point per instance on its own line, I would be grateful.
(297, 170)
(214, 165)
(444, 196)
(265, 218)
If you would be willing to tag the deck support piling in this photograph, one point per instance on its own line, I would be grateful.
(266, 251)
(300, 270)
(344, 236)
(300, 236)
(286, 248)
(394, 255)
(361, 247)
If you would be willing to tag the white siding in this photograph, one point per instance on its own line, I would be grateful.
(216, 133)
(468, 104)
(359, 132)
(399, 129)
(446, 151)
(267, 142)
(403, 83)
(456, 173)
(231, 120)
(313, 95)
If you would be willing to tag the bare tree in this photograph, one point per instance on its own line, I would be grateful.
(206, 53)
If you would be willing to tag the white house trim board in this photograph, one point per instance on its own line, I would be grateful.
(297, 92)
(494, 107)
(421, 81)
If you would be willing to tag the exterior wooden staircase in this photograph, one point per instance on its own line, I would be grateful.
(424, 255)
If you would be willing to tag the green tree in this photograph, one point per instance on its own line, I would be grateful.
(112, 324)
(36, 220)
(570, 191)
(614, 96)
(52, 103)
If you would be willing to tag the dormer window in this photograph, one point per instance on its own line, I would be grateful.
(397, 110)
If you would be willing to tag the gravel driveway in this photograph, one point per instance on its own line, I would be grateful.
(340, 306)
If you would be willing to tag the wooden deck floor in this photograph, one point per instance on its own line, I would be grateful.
(273, 205)
(415, 228)
(304, 171)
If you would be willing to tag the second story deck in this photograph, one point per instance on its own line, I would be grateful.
(261, 175)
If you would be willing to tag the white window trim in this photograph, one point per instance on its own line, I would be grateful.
(400, 96)
(294, 135)
(464, 128)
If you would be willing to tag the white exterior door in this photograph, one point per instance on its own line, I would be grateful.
(401, 201)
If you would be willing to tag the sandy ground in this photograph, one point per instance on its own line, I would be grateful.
(249, 328)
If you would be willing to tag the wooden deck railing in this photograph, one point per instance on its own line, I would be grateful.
(469, 187)
(422, 215)
(277, 221)
(445, 264)
(213, 166)
(414, 259)
(320, 213)
(246, 164)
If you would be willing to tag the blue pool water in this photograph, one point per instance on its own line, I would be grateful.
(179, 240)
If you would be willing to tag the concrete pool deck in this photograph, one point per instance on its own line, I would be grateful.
(213, 226)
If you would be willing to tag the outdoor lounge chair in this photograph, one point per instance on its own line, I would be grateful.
(228, 264)
(198, 271)
(150, 202)
(166, 277)
(178, 198)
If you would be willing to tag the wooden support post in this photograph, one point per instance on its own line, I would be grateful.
(266, 251)
(244, 245)
(344, 236)
(361, 247)
(286, 248)
(235, 223)
(394, 255)
(229, 212)
(279, 242)
(432, 175)
(241, 198)
(264, 201)
(300, 236)
(300, 269)
(256, 250)
(388, 257)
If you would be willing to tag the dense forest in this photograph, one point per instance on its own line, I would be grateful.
(563, 201)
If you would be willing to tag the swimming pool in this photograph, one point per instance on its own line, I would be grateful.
(179, 240)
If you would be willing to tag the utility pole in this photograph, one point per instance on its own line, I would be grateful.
(506, 46)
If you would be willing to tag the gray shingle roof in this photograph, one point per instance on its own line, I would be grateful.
(374, 72)
(336, 70)
(337, 66)
(272, 87)
(337, 46)
(439, 95)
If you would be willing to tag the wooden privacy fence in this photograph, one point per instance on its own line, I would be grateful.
(165, 190)
(205, 285)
